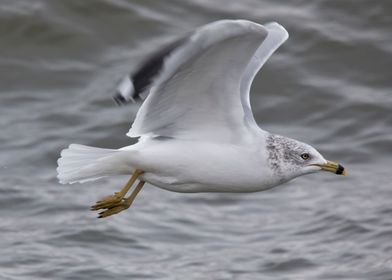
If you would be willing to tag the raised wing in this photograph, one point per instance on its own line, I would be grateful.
(277, 35)
(200, 84)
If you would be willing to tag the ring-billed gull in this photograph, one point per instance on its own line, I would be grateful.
(196, 129)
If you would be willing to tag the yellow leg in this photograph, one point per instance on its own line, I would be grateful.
(117, 197)
(123, 205)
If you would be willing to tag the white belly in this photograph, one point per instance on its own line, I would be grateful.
(203, 167)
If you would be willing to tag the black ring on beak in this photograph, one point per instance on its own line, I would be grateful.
(340, 170)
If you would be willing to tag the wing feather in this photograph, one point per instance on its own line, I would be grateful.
(201, 90)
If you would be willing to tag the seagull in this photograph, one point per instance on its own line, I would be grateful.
(195, 129)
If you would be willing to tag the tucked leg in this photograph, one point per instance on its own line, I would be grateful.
(117, 197)
(124, 204)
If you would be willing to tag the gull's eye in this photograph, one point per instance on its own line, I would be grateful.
(305, 156)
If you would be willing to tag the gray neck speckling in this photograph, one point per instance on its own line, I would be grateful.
(282, 153)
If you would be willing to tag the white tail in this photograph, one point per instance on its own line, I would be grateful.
(81, 163)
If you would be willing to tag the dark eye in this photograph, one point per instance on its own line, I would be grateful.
(305, 156)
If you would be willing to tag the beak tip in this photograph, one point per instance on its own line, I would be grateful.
(334, 168)
(340, 170)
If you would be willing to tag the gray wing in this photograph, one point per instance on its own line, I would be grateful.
(199, 86)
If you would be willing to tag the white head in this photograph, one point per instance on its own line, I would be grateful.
(289, 158)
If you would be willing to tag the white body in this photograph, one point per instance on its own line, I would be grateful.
(182, 166)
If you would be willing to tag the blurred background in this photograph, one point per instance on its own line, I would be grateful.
(329, 85)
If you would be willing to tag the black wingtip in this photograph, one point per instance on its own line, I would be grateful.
(119, 99)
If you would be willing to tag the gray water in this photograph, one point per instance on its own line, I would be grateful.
(329, 85)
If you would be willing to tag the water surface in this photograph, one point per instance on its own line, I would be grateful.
(329, 85)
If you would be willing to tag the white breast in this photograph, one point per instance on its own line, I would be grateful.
(185, 166)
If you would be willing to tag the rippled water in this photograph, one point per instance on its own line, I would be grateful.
(329, 85)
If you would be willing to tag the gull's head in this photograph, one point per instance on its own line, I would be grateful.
(289, 158)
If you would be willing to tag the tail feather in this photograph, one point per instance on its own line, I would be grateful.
(79, 163)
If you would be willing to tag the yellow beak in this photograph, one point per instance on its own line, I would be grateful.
(333, 167)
